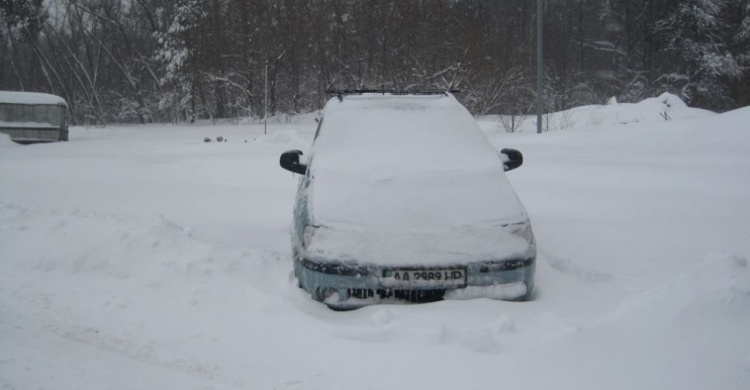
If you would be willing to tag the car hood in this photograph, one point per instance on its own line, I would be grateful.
(390, 200)
(427, 219)
(420, 247)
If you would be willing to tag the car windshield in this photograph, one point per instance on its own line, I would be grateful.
(404, 134)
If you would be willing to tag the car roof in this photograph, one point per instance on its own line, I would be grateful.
(380, 160)
(30, 98)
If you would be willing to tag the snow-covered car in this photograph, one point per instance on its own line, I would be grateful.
(402, 198)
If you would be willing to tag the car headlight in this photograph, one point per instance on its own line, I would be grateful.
(308, 235)
(523, 230)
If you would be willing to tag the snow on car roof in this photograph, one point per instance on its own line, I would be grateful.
(395, 165)
(13, 97)
(405, 132)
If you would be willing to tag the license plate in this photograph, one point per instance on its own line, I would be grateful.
(447, 278)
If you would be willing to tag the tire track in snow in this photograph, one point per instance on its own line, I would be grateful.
(148, 353)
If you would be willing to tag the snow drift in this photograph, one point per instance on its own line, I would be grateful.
(140, 257)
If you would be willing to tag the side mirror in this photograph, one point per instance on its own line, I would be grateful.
(512, 159)
(290, 161)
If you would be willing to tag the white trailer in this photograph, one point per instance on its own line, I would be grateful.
(30, 117)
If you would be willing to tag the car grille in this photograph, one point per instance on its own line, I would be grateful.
(415, 296)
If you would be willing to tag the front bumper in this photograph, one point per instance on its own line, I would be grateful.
(350, 286)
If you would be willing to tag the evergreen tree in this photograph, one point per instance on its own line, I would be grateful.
(144, 60)
(740, 41)
(697, 63)
(178, 54)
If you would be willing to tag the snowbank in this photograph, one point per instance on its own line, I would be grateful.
(140, 257)
(664, 108)
(5, 141)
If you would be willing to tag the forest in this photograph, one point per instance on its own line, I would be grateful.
(143, 61)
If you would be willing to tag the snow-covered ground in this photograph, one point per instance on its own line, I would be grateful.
(143, 258)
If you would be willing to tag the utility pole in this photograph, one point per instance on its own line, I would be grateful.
(265, 104)
(539, 67)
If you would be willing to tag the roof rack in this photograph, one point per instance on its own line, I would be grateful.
(340, 93)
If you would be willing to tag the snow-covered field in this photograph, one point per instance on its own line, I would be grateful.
(143, 258)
